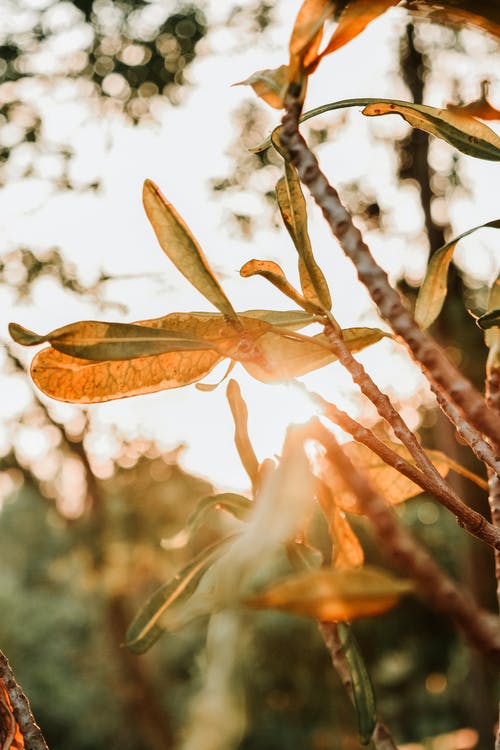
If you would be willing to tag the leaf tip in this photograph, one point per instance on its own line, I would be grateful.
(24, 336)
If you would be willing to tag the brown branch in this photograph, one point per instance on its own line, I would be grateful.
(469, 519)
(479, 627)
(493, 399)
(32, 734)
(381, 737)
(423, 349)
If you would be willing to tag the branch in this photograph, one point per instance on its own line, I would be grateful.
(479, 627)
(381, 737)
(493, 399)
(31, 732)
(469, 519)
(424, 350)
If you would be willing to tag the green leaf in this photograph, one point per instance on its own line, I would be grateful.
(302, 556)
(362, 688)
(181, 247)
(241, 438)
(332, 595)
(432, 293)
(465, 133)
(146, 627)
(237, 505)
(99, 341)
(292, 206)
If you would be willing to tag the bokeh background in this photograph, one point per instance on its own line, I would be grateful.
(94, 98)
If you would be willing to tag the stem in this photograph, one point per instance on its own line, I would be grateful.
(468, 518)
(32, 734)
(479, 627)
(381, 737)
(433, 361)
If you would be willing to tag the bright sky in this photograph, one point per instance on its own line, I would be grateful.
(108, 229)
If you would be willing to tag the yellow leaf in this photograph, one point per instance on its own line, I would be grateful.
(463, 132)
(242, 441)
(269, 85)
(292, 206)
(347, 550)
(432, 293)
(492, 335)
(332, 595)
(181, 247)
(355, 17)
(273, 273)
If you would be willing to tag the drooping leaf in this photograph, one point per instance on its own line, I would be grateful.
(306, 37)
(355, 17)
(238, 506)
(393, 486)
(146, 627)
(292, 206)
(287, 358)
(99, 341)
(181, 247)
(492, 335)
(241, 438)
(270, 85)
(331, 595)
(432, 293)
(275, 274)
(468, 135)
(362, 688)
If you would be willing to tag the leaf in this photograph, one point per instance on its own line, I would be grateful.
(274, 273)
(362, 688)
(270, 85)
(432, 293)
(388, 482)
(292, 206)
(354, 18)
(468, 135)
(492, 335)
(237, 505)
(490, 319)
(286, 357)
(331, 595)
(99, 341)
(303, 556)
(480, 108)
(241, 439)
(483, 14)
(181, 247)
(209, 387)
(146, 627)
(294, 320)
(347, 550)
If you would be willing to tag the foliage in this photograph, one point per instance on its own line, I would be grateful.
(296, 545)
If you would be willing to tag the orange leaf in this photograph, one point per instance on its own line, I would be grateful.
(354, 19)
(308, 31)
(269, 85)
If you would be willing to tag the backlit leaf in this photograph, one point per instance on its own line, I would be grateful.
(237, 505)
(480, 108)
(432, 293)
(331, 595)
(362, 688)
(146, 626)
(98, 341)
(468, 135)
(492, 335)
(269, 85)
(287, 357)
(302, 556)
(275, 274)
(306, 37)
(347, 550)
(292, 206)
(181, 247)
(483, 14)
(241, 439)
(355, 17)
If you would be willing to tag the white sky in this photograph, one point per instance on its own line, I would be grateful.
(108, 229)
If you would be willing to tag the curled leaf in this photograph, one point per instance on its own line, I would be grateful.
(432, 293)
(147, 625)
(181, 247)
(292, 206)
(237, 505)
(275, 274)
(269, 85)
(355, 17)
(332, 595)
(242, 441)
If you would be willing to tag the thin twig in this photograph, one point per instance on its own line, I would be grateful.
(479, 446)
(381, 736)
(479, 627)
(469, 519)
(32, 734)
(424, 350)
